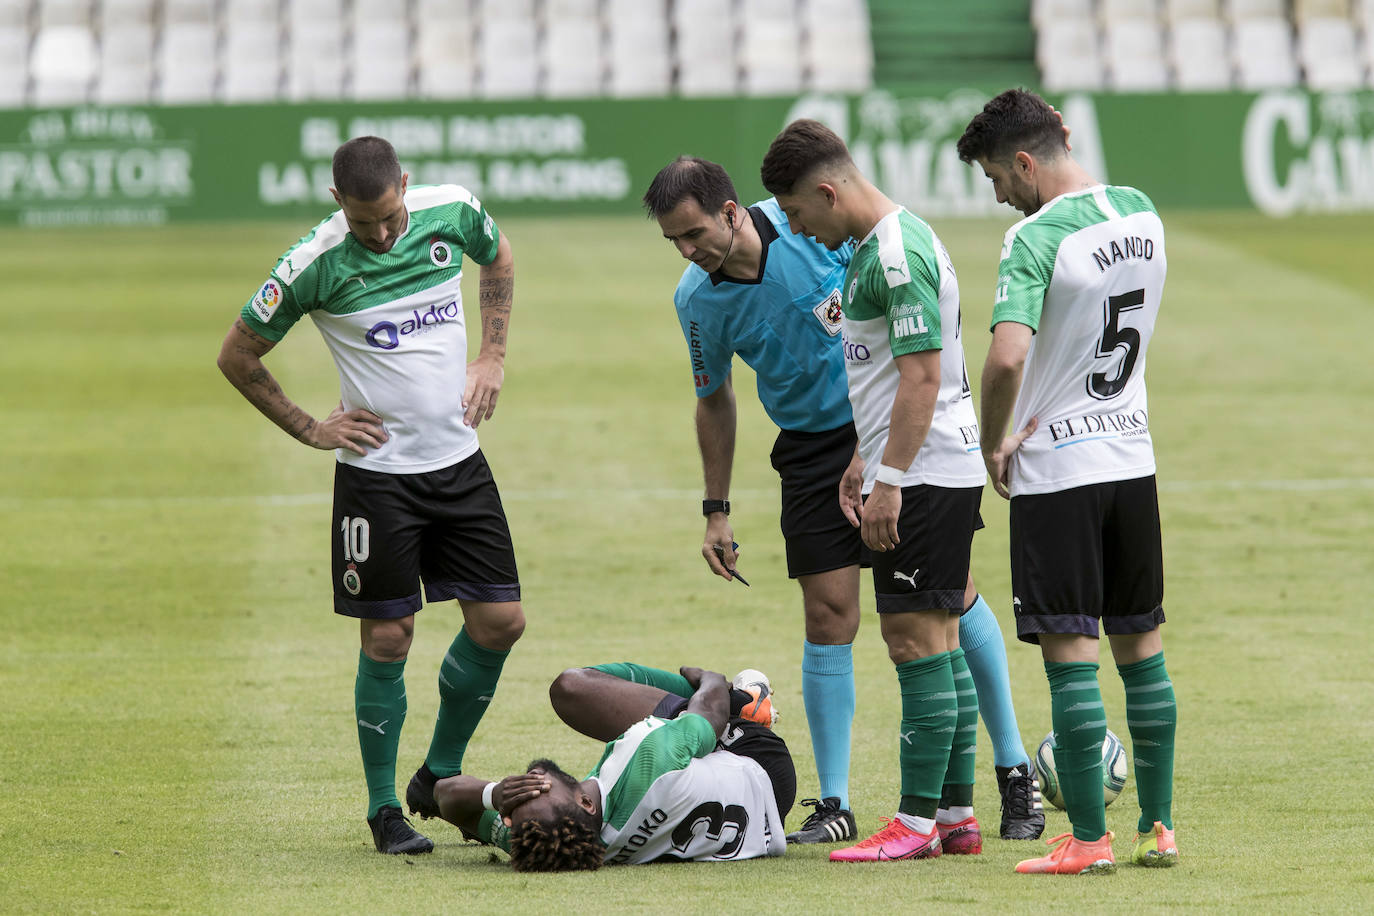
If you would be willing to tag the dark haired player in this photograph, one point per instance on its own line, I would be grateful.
(756, 290)
(413, 497)
(692, 772)
(1078, 291)
(915, 482)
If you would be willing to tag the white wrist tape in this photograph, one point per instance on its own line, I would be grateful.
(889, 475)
(486, 797)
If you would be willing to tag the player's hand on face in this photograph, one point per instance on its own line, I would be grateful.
(356, 430)
(851, 490)
(718, 547)
(879, 526)
(514, 791)
(486, 374)
(999, 462)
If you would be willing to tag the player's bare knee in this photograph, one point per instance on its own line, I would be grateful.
(829, 623)
(495, 626)
(567, 688)
(387, 640)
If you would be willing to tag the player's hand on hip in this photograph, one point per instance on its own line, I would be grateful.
(485, 377)
(879, 526)
(999, 461)
(852, 490)
(718, 547)
(356, 430)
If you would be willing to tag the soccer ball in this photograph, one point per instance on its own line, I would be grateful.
(1113, 770)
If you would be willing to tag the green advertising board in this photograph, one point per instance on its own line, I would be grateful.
(1279, 152)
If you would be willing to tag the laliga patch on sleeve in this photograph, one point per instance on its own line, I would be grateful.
(266, 301)
(830, 313)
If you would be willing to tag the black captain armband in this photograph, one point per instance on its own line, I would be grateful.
(715, 505)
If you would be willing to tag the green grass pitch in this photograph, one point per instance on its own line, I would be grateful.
(175, 694)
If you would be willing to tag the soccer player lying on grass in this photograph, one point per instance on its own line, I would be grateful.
(692, 771)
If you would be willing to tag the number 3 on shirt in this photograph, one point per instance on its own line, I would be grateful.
(1114, 337)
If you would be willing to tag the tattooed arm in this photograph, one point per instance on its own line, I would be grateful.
(240, 359)
(495, 292)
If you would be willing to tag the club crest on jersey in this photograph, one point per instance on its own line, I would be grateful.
(853, 287)
(267, 300)
(830, 313)
(352, 582)
(440, 255)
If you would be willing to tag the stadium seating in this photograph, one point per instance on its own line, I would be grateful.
(1327, 50)
(507, 58)
(444, 60)
(1263, 54)
(1199, 55)
(1135, 55)
(197, 51)
(1069, 55)
(572, 57)
(62, 62)
(14, 64)
(125, 76)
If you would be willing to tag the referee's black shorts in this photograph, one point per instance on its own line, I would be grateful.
(818, 537)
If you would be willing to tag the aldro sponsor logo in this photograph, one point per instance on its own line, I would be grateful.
(386, 335)
(855, 352)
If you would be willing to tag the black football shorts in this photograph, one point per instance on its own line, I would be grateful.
(1087, 553)
(446, 528)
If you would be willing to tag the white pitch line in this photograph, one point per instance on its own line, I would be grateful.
(663, 494)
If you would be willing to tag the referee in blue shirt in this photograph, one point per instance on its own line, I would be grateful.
(757, 290)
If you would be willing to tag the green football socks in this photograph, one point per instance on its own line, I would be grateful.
(929, 714)
(379, 699)
(1151, 716)
(958, 790)
(642, 674)
(1080, 727)
(467, 683)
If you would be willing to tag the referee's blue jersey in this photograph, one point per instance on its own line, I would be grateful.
(785, 325)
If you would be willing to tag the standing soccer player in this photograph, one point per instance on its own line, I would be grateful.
(772, 297)
(916, 467)
(1078, 290)
(413, 496)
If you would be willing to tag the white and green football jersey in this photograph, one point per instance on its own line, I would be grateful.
(1086, 273)
(393, 322)
(668, 794)
(901, 296)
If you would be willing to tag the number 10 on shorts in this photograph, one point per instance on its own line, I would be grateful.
(356, 539)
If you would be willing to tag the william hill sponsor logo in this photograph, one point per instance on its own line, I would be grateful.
(386, 335)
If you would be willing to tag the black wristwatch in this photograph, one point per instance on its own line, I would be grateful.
(715, 505)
